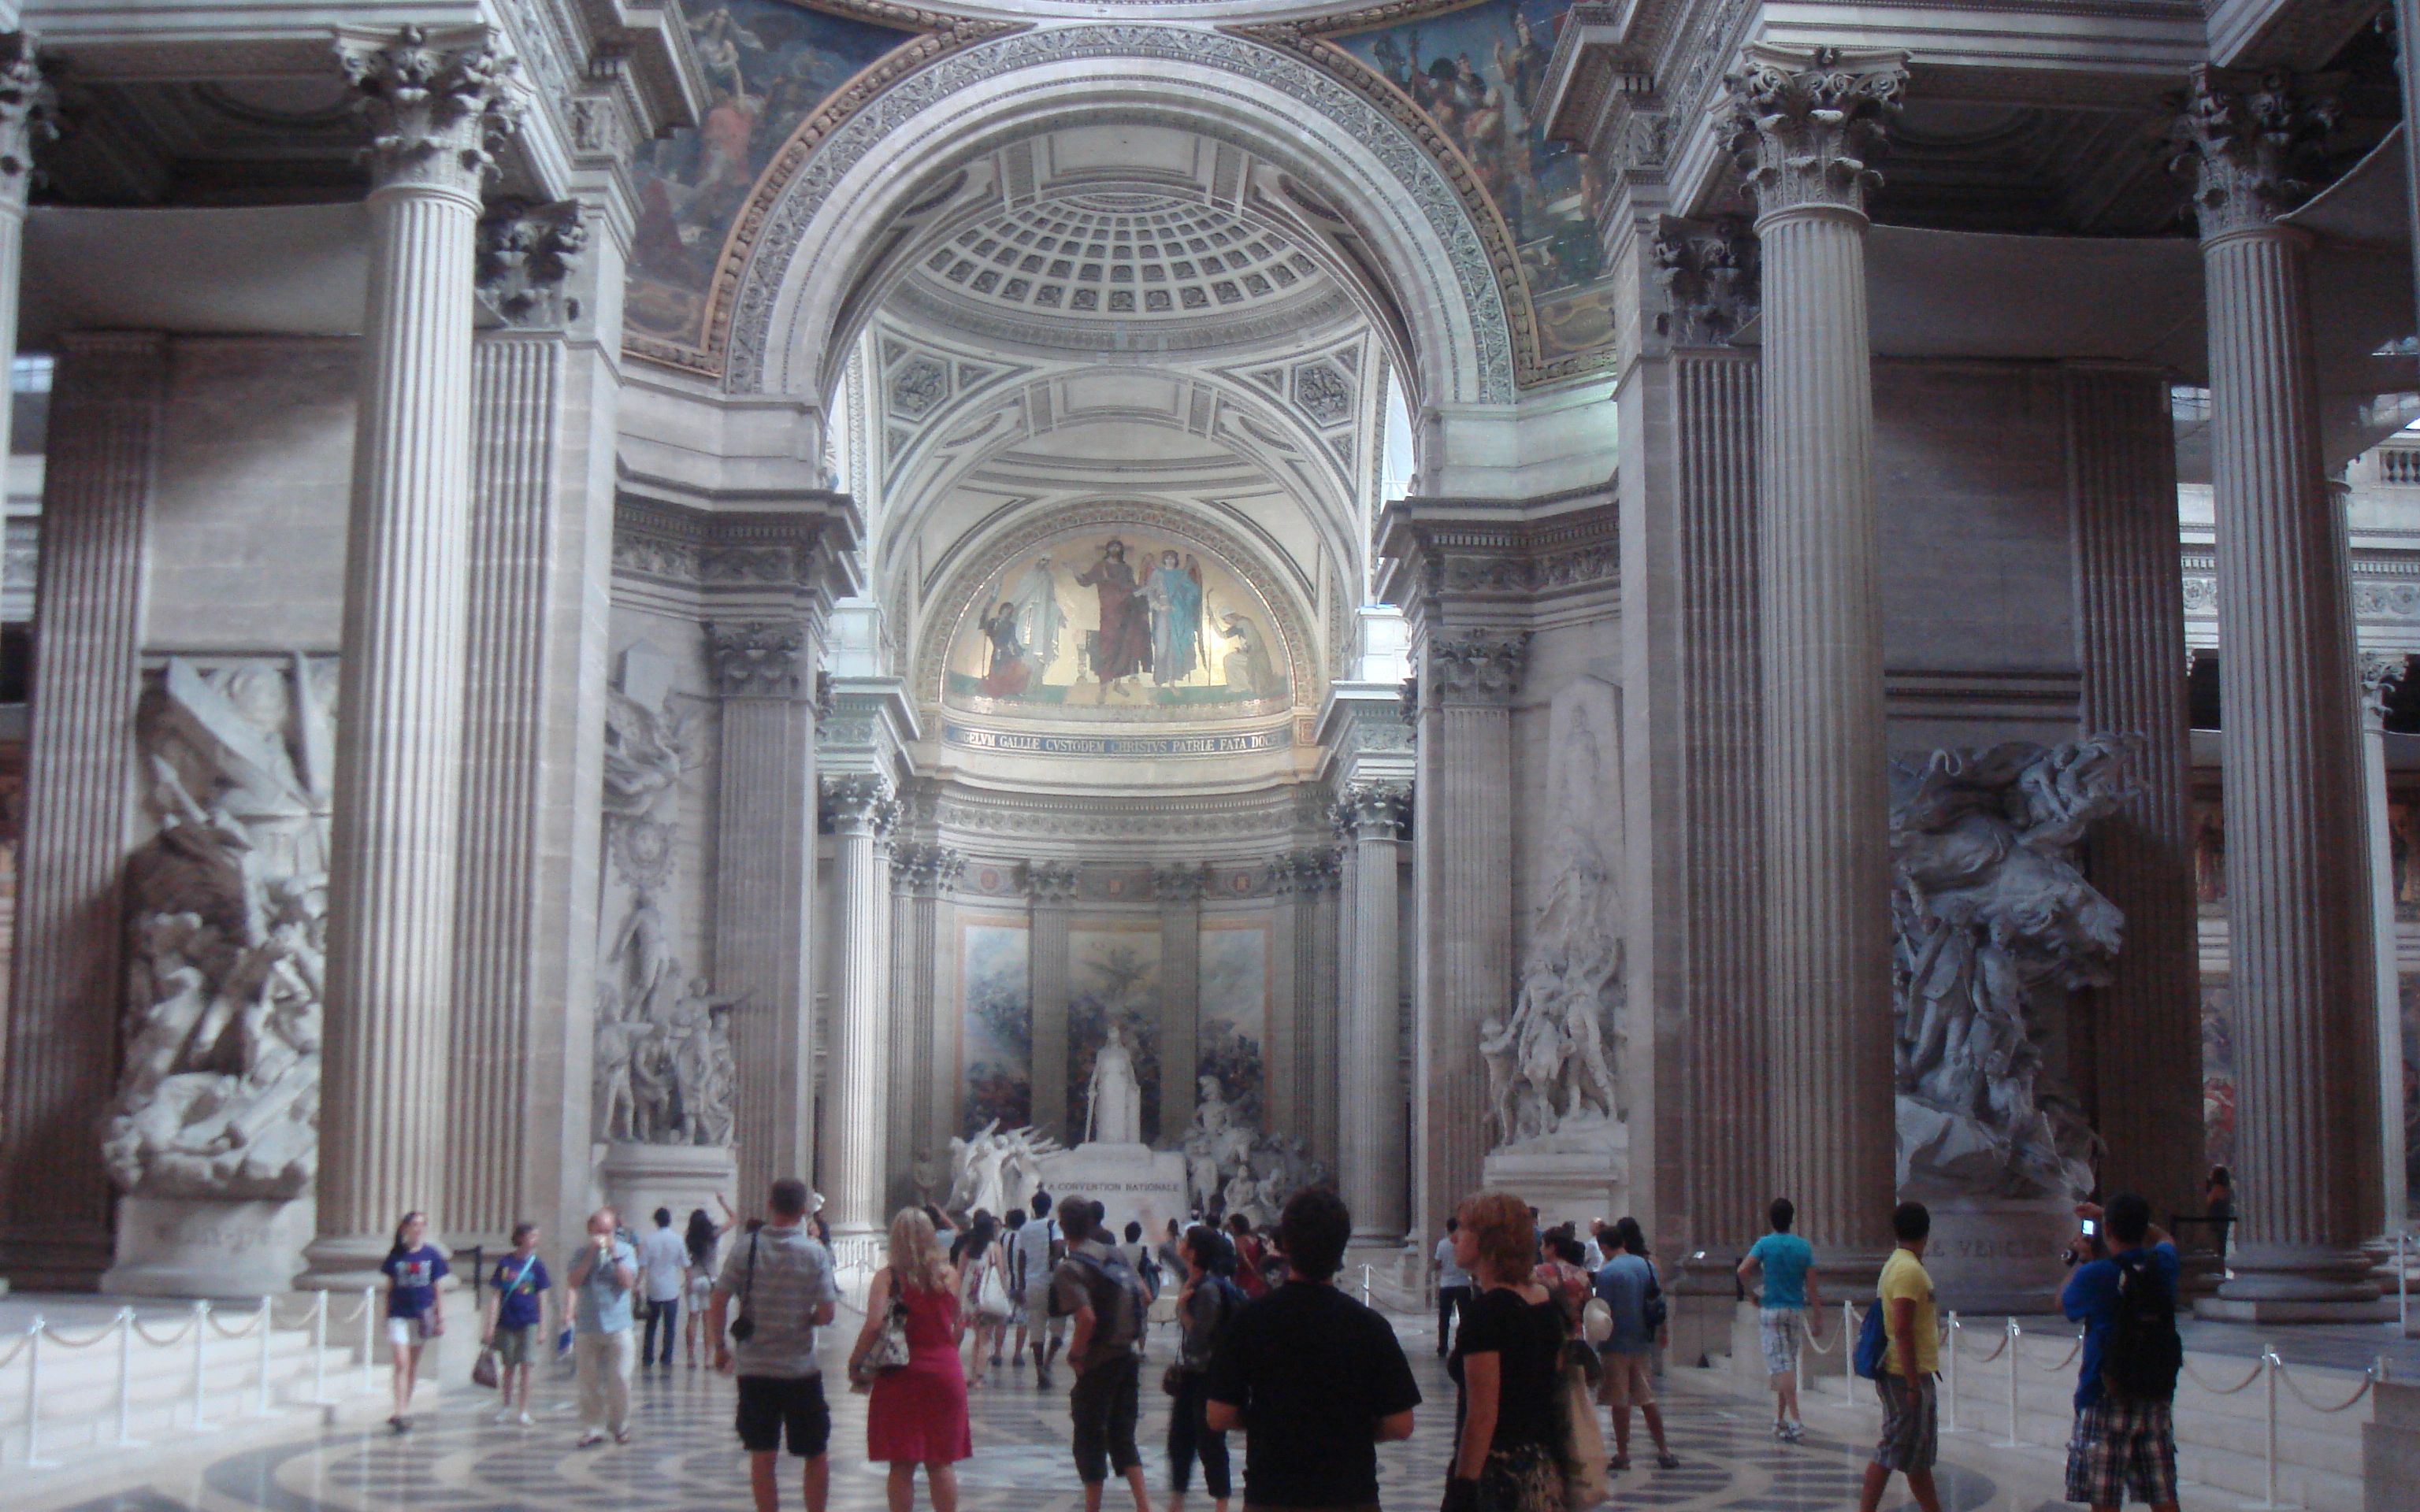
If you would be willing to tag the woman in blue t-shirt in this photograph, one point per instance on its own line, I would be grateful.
(519, 1319)
(414, 1314)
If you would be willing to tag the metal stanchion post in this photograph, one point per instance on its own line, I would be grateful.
(1365, 1286)
(261, 1400)
(369, 1340)
(126, 1439)
(201, 1343)
(2269, 1362)
(2402, 1285)
(2013, 1441)
(1952, 1372)
(319, 1349)
(1849, 1348)
(34, 1394)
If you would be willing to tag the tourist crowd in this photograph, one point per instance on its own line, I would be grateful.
(1537, 1328)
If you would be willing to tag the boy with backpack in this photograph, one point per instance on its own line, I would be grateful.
(2125, 1438)
(1099, 1290)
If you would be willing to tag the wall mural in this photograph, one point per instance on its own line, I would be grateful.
(1118, 624)
(997, 1036)
(769, 65)
(1113, 977)
(1234, 1013)
(1476, 73)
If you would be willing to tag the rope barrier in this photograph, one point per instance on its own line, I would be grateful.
(2245, 1384)
(1998, 1350)
(2368, 1379)
(52, 1335)
(2073, 1350)
(225, 1332)
(145, 1335)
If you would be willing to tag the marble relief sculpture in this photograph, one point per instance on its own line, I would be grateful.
(1995, 927)
(996, 1169)
(1231, 1167)
(665, 1077)
(220, 1093)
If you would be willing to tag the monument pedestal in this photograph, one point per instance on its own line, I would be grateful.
(1576, 1177)
(639, 1179)
(1998, 1255)
(209, 1247)
(1132, 1182)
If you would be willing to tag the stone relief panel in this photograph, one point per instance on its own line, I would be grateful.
(995, 1045)
(227, 932)
(663, 1073)
(1995, 929)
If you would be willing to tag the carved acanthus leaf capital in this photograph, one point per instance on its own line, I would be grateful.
(439, 105)
(2381, 675)
(1051, 882)
(1179, 883)
(2256, 144)
(1375, 810)
(1709, 277)
(25, 112)
(1806, 119)
(858, 803)
(1477, 669)
(924, 869)
(759, 659)
(526, 252)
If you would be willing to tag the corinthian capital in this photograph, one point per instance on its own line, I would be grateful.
(525, 253)
(1051, 882)
(1477, 669)
(757, 660)
(858, 803)
(1804, 119)
(439, 105)
(2249, 142)
(26, 103)
(1709, 277)
(1375, 810)
(1180, 884)
(2381, 675)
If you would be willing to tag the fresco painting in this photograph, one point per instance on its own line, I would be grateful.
(998, 1031)
(1234, 1013)
(1112, 976)
(1478, 73)
(769, 65)
(1118, 624)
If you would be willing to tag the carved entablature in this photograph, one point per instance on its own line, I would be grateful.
(438, 103)
(1444, 557)
(699, 552)
(2256, 144)
(1806, 119)
(1708, 273)
(1484, 668)
(758, 659)
(525, 255)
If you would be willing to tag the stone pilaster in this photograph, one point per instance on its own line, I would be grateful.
(1283, 1066)
(1321, 1009)
(1373, 1100)
(2379, 677)
(900, 1127)
(856, 1077)
(764, 848)
(65, 984)
(919, 1115)
(1050, 896)
(1179, 890)
(438, 103)
(1327, 1123)
(2298, 937)
(2131, 641)
(1806, 117)
(24, 120)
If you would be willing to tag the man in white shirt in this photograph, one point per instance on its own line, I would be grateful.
(1034, 1251)
(1453, 1284)
(664, 1271)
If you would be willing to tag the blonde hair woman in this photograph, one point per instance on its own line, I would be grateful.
(918, 1415)
(1507, 1360)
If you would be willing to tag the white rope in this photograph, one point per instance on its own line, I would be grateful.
(225, 1332)
(144, 1334)
(2368, 1379)
(1818, 1345)
(51, 1334)
(2245, 1384)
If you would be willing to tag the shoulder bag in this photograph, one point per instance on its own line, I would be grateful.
(743, 1327)
(889, 1352)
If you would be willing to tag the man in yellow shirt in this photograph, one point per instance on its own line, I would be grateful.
(1910, 1415)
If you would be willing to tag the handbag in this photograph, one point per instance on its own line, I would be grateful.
(1581, 1447)
(483, 1369)
(889, 1352)
(743, 1327)
(991, 1294)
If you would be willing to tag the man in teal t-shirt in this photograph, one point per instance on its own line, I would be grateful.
(1789, 1305)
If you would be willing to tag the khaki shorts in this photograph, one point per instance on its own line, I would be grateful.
(1629, 1380)
(1038, 1317)
(513, 1345)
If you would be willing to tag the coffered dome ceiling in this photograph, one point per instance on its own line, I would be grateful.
(1125, 255)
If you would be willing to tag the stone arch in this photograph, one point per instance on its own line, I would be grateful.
(823, 228)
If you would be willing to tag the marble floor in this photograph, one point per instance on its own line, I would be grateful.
(684, 1457)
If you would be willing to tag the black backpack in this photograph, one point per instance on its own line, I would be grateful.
(1120, 1305)
(2143, 1354)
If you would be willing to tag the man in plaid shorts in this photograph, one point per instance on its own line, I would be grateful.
(2125, 1441)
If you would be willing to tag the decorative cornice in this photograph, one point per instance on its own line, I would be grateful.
(1805, 120)
(1476, 669)
(700, 549)
(439, 103)
(525, 253)
(759, 659)
(1260, 815)
(2255, 145)
(1445, 551)
(1709, 277)
(1180, 884)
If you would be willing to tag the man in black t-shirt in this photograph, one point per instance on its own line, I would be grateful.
(1315, 1379)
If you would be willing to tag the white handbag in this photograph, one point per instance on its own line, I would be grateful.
(991, 1294)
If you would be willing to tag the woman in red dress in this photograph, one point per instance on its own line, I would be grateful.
(918, 1415)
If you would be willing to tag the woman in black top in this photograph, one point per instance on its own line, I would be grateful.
(1208, 1303)
(1507, 1360)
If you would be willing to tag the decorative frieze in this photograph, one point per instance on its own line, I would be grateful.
(439, 105)
(1477, 669)
(525, 253)
(2255, 144)
(759, 659)
(1805, 118)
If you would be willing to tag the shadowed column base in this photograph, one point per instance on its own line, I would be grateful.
(2296, 1284)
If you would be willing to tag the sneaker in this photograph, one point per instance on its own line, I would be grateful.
(1781, 1432)
(400, 1423)
(506, 1416)
(1619, 1462)
(1793, 1430)
(591, 1438)
(526, 1421)
(1667, 1461)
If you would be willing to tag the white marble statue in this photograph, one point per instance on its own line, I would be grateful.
(1995, 930)
(1114, 1095)
(1230, 1167)
(665, 1075)
(995, 1169)
(219, 1092)
(1550, 1075)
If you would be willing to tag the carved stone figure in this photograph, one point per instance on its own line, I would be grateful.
(1995, 929)
(1549, 1073)
(1114, 1095)
(1230, 1167)
(220, 1093)
(665, 1075)
(994, 1171)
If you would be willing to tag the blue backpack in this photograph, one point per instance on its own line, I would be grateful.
(1873, 1342)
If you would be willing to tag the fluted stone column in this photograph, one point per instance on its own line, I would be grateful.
(921, 1113)
(1179, 890)
(1282, 1059)
(64, 988)
(765, 850)
(2379, 677)
(2297, 938)
(1319, 1011)
(909, 862)
(25, 119)
(1808, 118)
(1328, 1127)
(856, 1077)
(437, 103)
(1050, 894)
(2131, 644)
(1371, 1096)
